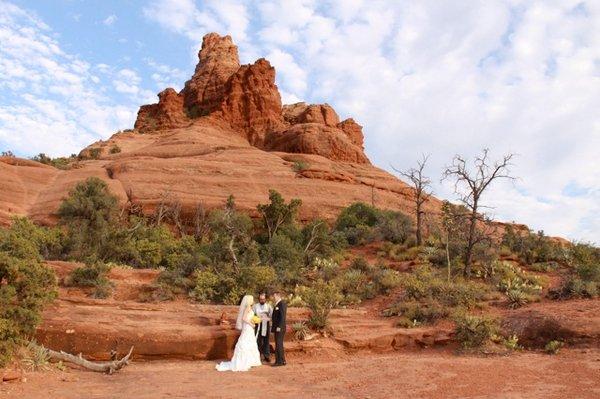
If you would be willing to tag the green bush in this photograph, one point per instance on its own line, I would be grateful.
(574, 287)
(26, 285)
(90, 215)
(362, 223)
(386, 280)
(516, 298)
(320, 299)
(474, 331)
(95, 152)
(553, 347)
(300, 166)
(206, 286)
(326, 269)
(115, 149)
(416, 313)
(285, 256)
(394, 226)
(424, 283)
(93, 275)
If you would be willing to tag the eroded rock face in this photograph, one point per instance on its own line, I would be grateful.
(218, 61)
(247, 100)
(252, 104)
(315, 138)
(167, 114)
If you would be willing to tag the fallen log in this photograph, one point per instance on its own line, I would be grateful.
(101, 367)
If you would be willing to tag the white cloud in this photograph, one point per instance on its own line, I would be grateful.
(111, 19)
(52, 102)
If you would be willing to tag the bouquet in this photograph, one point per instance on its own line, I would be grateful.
(256, 319)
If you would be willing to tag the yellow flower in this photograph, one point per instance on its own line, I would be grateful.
(256, 319)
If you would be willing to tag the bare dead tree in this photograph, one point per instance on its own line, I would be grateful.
(421, 185)
(201, 225)
(469, 185)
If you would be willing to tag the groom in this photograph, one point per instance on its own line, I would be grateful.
(278, 327)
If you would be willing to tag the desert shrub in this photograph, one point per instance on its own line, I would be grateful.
(414, 313)
(257, 278)
(48, 242)
(278, 214)
(300, 330)
(386, 280)
(532, 247)
(95, 152)
(362, 223)
(425, 283)
(544, 266)
(300, 166)
(94, 275)
(115, 149)
(327, 269)
(352, 284)
(90, 215)
(553, 347)
(359, 263)
(507, 276)
(206, 286)
(285, 256)
(516, 298)
(586, 260)
(394, 226)
(320, 298)
(26, 285)
(474, 331)
(512, 343)
(574, 287)
(59, 163)
(36, 357)
(319, 241)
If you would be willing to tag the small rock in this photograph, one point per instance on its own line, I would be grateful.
(11, 376)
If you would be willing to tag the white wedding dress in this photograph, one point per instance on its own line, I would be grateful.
(246, 353)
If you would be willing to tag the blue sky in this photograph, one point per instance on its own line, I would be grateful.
(422, 77)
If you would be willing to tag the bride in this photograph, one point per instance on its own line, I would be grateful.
(246, 353)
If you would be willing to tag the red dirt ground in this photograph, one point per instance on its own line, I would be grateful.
(425, 374)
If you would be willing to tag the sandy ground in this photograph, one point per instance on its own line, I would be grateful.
(425, 374)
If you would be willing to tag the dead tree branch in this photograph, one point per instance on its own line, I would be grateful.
(100, 367)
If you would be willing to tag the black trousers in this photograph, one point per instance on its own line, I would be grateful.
(279, 351)
(263, 345)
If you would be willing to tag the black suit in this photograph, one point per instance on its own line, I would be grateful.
(278, 328)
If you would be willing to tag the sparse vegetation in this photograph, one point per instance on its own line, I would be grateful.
(320, 298)
(553, 347)
(474, 331)
(300, 330)
(115, 149)
(94, 275)
(26, 285)
(300, 166)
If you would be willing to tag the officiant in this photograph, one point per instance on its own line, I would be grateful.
(265, 311)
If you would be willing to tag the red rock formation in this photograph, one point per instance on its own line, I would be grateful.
(167, 114)
(218, 60)
(247, 100)
(252, 104)
(353, 130)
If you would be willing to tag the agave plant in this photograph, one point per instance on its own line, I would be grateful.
(516, 298)
(36, 357)
(301, 330)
